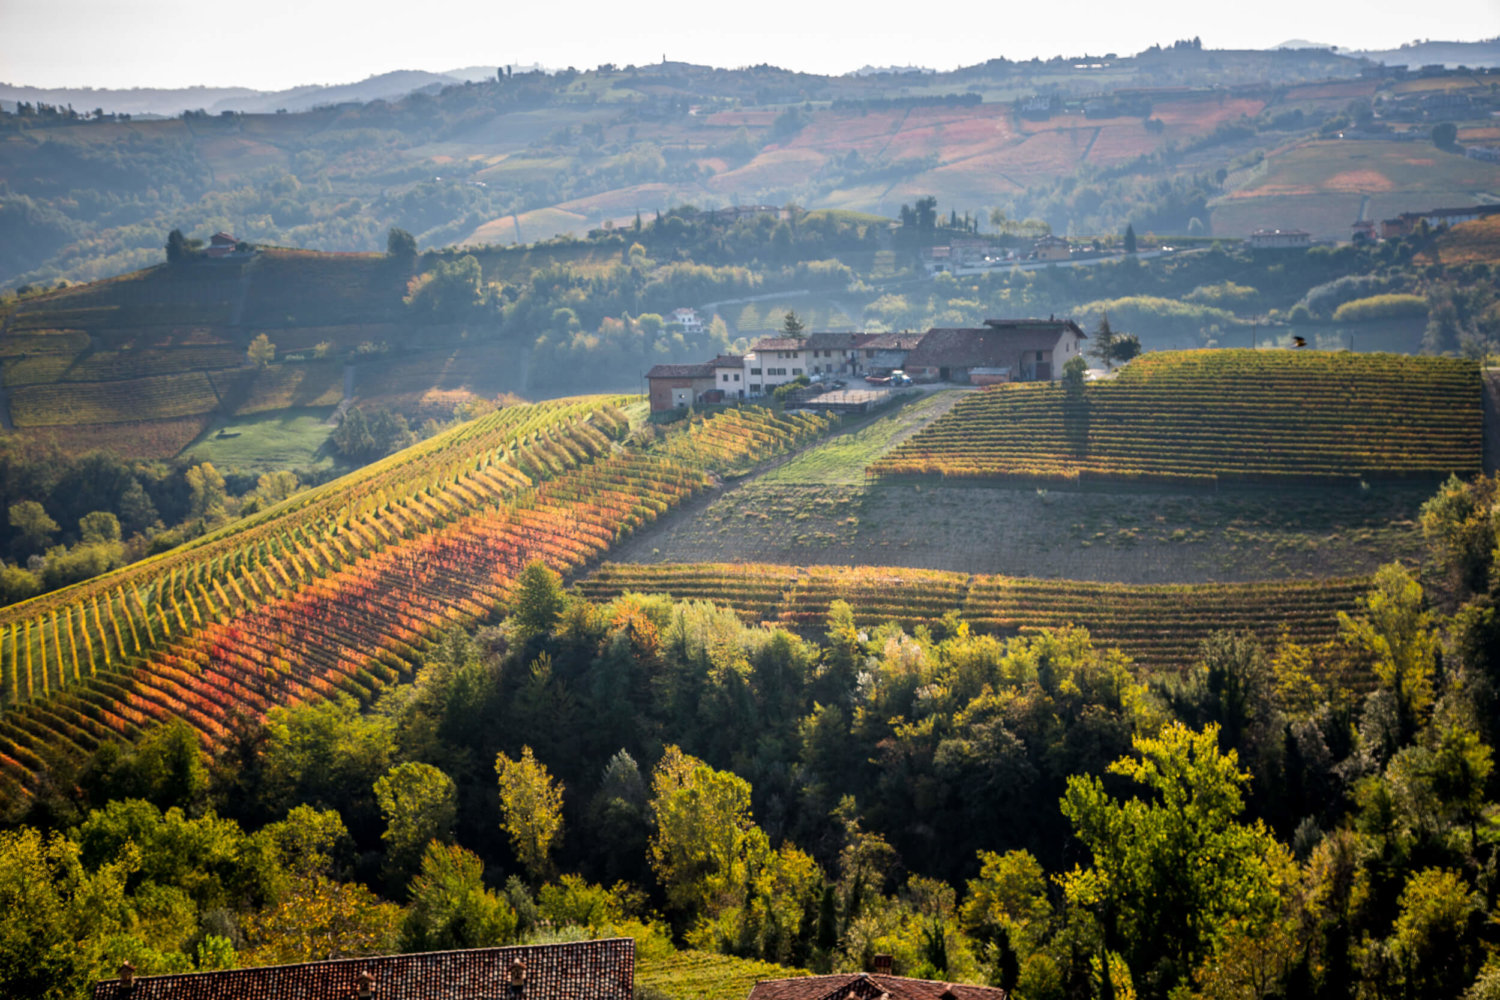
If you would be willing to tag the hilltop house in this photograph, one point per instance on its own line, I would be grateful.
(595, 970)
(877, 985)
(687, 318)
(1003, 350)
(221, 244)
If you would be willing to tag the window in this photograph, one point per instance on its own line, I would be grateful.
(736, 376)
(755, 371)
(755, 388)
(796, 371)
(726, 376)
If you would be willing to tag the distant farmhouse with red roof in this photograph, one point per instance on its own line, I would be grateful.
(870, 986)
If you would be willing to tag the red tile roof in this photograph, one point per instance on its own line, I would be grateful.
(838, 341)
(779, 344)
(583, 970)
(869, 986)
(681, 371)
(893, 341)
(727, 361)
(983, 348)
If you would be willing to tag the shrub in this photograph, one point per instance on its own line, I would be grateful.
(1390, 306)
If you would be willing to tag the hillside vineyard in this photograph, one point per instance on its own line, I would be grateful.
(1203, 417)
(339, 588)
(1162, 626)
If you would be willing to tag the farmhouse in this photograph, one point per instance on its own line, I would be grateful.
(687, 319)
(674, 387)
(878, 985)
(775, 361)
(1406, 223)
(596, 970)
(836, 353)
(1003, 350)
(1051, 248)
(221, 244)
(1279, 239)
(886, 352)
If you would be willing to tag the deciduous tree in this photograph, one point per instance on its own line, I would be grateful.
(531, 805)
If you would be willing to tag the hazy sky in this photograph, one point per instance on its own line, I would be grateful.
(273, 44)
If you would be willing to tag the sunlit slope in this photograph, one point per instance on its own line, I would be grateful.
(1161, 627)
(1215, 416)
(334, 590)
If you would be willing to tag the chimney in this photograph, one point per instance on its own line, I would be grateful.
(366, 985)
(517, 977)
(127, 975)
(882, 965)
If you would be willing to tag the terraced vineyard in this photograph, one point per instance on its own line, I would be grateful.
(1158, 626)
(335, 589)
(1209, 416)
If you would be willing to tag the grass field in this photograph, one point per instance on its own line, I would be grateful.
(294, 439)
(842, 459)
(1469, 242)
(701, 975)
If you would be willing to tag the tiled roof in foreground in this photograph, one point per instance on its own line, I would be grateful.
(582, 970)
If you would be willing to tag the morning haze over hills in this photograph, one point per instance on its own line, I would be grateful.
(1013, 532)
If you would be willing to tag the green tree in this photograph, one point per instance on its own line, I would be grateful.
(178, 248)
(31, 523)
(1129, 238)
(704, 833)
(58, 915)
(400, 245)
(419, 803)
(1445, 136)
(1104, 342)
(450, 908)
(792, 326)
(538, 601)
(1460, 521)
(1433, 940)
(1394, 634)
(1171, 872)
(261, 351)
(207, 493)
(319, 919)
(531, 804)
(98, 527)
(1126, 347)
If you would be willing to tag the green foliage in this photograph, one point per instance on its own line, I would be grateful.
(363, 437)
(1460, 519)
(538, 601)
(98, 527)
(532, 806)
(32, 524)
(1394, 636)
(261, 351)
(400, 245)
(1171, 872)
(450, 906)
(419, 804)
(1377, 307)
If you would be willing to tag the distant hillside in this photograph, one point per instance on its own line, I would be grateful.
(1450, 54)
(536, 155)
(171, 102)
